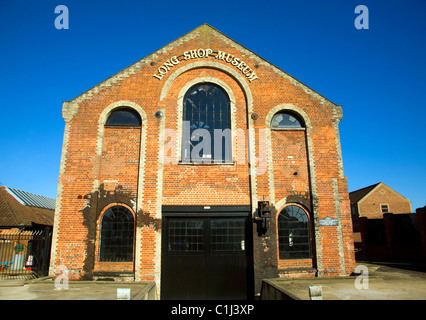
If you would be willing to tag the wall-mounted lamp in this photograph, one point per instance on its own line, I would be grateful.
(254, 116)
(262, 220)
(159, 114)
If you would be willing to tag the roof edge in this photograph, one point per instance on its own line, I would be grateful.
(14, 195)
(366, 195)
(27, 199)
(69, 107)
(268, 62)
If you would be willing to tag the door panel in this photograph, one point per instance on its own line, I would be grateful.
(205, 258)
(228, 259)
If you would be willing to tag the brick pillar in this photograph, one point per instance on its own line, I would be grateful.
(362, 223)
(388, 222)
(421, 222)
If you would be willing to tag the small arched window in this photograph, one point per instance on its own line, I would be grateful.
(206, 135)
(286, 120)
(117, 231)
(293, 233)
(124, 117)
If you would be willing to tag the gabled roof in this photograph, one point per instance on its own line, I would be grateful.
(23, 209)
(357, 195)
(204, 31)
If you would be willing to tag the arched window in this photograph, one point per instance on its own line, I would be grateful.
(293, 233)
(286, 120)
(124, 117)
(117, 230)
(206, 129)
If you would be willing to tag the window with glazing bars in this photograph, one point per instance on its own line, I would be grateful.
(227, 234)
(124, 117)
(293, 233)
(206, 129)
(286, 120)
(117, 230)
(186, 235)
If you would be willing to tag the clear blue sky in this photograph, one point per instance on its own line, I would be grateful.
(378, 75)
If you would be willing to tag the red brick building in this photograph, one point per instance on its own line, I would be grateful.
(372, 209)
(204, 168)
(375, 200)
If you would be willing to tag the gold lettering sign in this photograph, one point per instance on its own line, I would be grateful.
(243, 67)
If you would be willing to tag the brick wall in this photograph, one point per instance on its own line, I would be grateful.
(394, 237)
(370, 206)
(140, 169)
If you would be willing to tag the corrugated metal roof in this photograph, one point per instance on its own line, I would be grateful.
(31, 199)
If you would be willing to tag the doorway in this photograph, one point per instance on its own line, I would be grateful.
(206, 253)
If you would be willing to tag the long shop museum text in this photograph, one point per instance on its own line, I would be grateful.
(206, 53)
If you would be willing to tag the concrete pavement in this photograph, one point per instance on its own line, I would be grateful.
(45, 289)
(384, 282)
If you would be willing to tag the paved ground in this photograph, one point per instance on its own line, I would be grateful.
(77, 290)
(385, 282)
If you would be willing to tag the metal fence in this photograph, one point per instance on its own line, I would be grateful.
(24, 252)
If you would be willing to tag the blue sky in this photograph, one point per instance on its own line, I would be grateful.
(378, 75)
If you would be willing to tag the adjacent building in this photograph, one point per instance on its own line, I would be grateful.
(375, 200)
(24, 210)
(26, 222)
(372, 209)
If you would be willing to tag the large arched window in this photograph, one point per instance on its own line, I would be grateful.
(124, 117)
(117, 230)
(206, 129)
(293, 233)
(286, 120)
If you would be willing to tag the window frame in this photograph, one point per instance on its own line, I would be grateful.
(220, 96)
(101, 254)
(231, 117)
(290, 113)
(119, 109)
(292, 255)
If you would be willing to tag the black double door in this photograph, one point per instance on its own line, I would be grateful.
(206, 256)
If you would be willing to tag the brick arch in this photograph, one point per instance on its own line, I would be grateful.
(313, 213)
(113, 204)
(309, 146)
(107, 111)
(142, 156)
(249, 99)
(280, 205)
(242, 83)
(213, 65)
(290, 107)
(101, 122)
(109, 266)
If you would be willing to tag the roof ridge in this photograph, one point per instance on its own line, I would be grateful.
(373, 185)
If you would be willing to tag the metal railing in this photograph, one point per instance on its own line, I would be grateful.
(24, 252)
